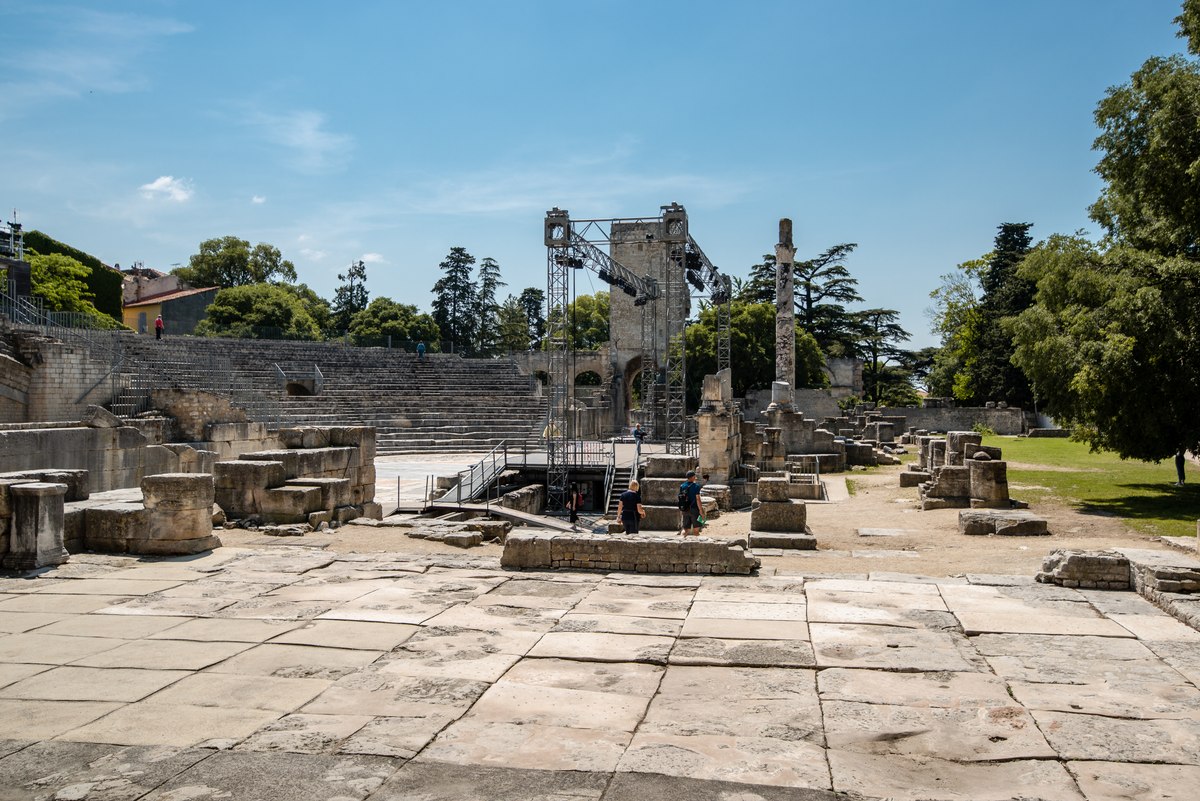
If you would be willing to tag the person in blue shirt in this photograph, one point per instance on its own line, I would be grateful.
(691, 515)
(629, 508)
(421, 351)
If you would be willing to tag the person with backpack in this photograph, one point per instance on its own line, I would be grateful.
(689, 505)
(574, 501)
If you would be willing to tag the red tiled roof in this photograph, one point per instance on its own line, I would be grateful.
(174, 294)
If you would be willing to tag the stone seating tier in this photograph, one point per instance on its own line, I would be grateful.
(447, 403)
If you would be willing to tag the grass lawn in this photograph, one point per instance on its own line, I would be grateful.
(1140, 493)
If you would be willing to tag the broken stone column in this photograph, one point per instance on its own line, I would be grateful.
(961, 445)
(989, 482)
(36, 539)
(782, 519)
(785, 309)
(179, 507)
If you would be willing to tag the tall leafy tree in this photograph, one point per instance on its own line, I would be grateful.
(988, 370)
(1112, 343)
(880, 338)
(351, 297)
(402, 323)
(954, 317)
(513, 327)
(454, 301)
(229, 262)
(759, 287)
(823, 287)
(259, 311)
(488, 309)
(61, 282)
(752, 350)
(533, 301)
(587, 321)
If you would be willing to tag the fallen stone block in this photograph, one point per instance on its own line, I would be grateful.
(783, 540)
(787, 516)
(1097, 570)
(1002, 522)
(914, 478)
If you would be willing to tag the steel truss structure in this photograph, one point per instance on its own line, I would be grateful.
(577, 244)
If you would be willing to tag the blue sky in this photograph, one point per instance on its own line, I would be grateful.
(393, 131)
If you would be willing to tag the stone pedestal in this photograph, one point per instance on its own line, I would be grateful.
(989, 483)
(179, 508)
(37, 526)
(776, 510)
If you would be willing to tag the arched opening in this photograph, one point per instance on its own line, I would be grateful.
(298, 388)
(542, 377)
(588, 378)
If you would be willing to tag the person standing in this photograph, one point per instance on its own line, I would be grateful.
(159, 325)
(573, 503)
(638, 435)
(421, 351)
(629, 508)
(689, 505)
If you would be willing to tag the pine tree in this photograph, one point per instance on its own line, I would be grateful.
(351, 297)
(487, 309)
(454, 301)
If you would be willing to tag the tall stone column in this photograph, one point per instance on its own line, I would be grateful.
(785, 308)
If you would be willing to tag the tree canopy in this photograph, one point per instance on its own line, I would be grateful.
(351, 296)
(61, 282)
(884, 379)
(752, 350)
(587, 321)
(402, 322)
(231, 262)
(259, 311)
(1113, 345)
(455, 302)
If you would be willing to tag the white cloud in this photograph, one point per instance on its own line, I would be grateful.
(374, 258)
(167, 187)
(312, 254)
(258, 200)
(302, 134)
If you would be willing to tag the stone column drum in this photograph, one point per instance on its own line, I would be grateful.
(989, 483)
(180, 506)
(37, 526)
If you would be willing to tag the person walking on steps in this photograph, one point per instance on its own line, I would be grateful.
(689, 505)
(421, 351)
(629, 508)
(159, 325)
(638, 435)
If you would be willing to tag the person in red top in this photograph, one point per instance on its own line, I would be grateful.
(159, 325)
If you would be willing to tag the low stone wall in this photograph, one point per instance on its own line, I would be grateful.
(636, 554)
(962, 418)
(1102, 570)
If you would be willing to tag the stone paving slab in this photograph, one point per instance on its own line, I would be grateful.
(1117, 781)
(436, 781)
(53, 649)
(1094, 737)
(227, 630)
(164, 655)
(306, 734)
(745, 629)
(751, 760)
(58, 604)
(20, 622)
(234, 691)
(487, 618)
(889, 648)
(10, 673)
(626, 678)
(92, 771)
(619, 624)
(942, 689)
(742, 653)
(146, 723)
(747, 611)
(93, 684)
(899, 778)
(297, 661)
(124, 628)
(977, 734)
(248, 776)
(348, 634)
(1122, 698)
(43, 720)
(601, 647)
(534, 746)
(524, 704)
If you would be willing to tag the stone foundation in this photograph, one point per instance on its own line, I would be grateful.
(635, 553)
(1004, 522)
(1095, 570)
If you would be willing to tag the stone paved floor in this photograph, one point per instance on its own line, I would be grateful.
(292, 673)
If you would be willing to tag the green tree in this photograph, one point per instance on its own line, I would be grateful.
(752, 350)
(759, 287)
(316, 306)
(954, 317)
(488, 309)
(1113, 345)
(259, 311)
(103, 282)
(351, 297)
(454, 301)
(513, 327)
(533, 301)
(403, 323)
(229, 262)
(988, 372)
(61, 282)
(823, 284)
(879, 344)
(587, 321)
